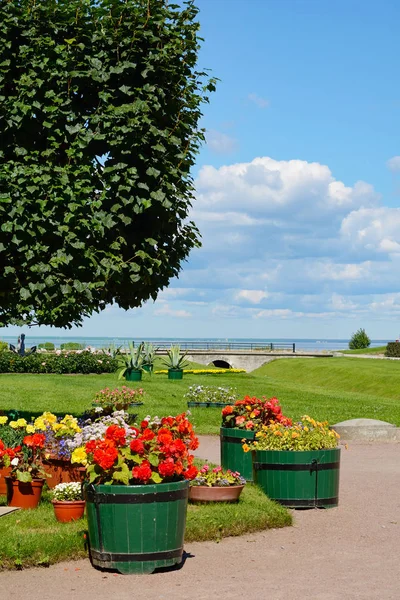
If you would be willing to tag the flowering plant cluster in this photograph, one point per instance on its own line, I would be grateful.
(25, 460)
(117, 399)
(56, 430)
(217, 477)
(95, 430)
(158, 453)
(307, 434)
(253, 413)
(67, 492)
(211, 393)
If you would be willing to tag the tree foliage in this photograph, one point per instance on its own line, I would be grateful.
(81, 80)
(359, 339)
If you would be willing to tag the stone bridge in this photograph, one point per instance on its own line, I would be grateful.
(242, 359)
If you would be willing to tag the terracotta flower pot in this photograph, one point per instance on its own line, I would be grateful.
(60, 471)
(204, 493)
(68, 510)
(24, 494)
(4, 472)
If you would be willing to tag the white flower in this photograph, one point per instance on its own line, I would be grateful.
(15, 461)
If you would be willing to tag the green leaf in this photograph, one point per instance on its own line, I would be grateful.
(23, 476)
(153, 460)
(156, 477)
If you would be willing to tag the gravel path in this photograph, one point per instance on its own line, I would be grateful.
(349, 553)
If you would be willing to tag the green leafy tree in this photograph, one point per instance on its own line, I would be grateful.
(100, 102)
(359, 339)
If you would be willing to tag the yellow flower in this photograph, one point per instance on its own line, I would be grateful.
(295, 435)
(246, 448)
(79, 456)
(13, 424)
(49, 417)
(306, 429)
(40, 424)
(22, 423)
(30, 429)
(56, 426)
(3, 420)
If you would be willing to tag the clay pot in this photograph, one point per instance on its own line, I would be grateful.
(203, 493)
(4, 472)
(24, 494)
(68, 510)
(60, 471)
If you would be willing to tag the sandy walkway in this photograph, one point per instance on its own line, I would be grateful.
(349, 552)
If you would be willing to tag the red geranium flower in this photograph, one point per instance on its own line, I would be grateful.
(166, 468)
(137, 446)
(34, 441)
(191, 472)
(148, 435)
(142, 472)
(117, 434)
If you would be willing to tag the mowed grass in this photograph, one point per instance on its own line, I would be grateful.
(35, 538)
(333, 389)
(379, 350)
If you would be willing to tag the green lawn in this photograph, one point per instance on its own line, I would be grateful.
(35, 538)
(377, 350)
(325, 388)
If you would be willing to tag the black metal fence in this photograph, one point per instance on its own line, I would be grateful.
(205, 345)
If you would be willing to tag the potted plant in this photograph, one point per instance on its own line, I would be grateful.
(136, 494)
(149, 352)
(56, 456)
(25, 482)
(210, 396)
(131, 363)
(68, 502)
(12, 432)
(240, 421)
(297, 465)
(175, 362)
(216, 485)
(117, 399)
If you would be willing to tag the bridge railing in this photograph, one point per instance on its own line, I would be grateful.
(205, 345)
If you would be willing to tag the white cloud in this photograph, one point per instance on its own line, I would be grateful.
(341, 303)
(221, 143)
(258, 100)
(294, 191)
(376, 229)
(393, 164)
(253, 296)
(167, 311)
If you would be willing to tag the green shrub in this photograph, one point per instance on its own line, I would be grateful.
(72, 346)
(3, 346)
(359, 339)
(83, 363)
(47, 346)
(393, 349)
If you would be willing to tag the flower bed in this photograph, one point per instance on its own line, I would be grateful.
(210, 396)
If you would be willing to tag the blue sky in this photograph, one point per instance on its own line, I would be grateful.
(298, 186)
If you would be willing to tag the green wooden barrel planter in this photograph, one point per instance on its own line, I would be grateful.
(175, 373)
(232, 455)
(299, 479)
(136, 529)
(193, 404)
(133, 375)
